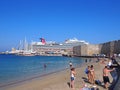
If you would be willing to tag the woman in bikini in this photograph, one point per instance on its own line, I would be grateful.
(92, 75)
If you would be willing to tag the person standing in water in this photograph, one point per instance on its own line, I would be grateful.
(45, 66)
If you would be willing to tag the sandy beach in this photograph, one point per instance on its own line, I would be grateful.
(60, 80)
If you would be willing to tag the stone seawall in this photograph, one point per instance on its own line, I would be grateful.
(108, 48)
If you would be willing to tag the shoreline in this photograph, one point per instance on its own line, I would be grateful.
(30, 78)
(33, 79)
(17, 82)
(59, 80)
(36, 76)
(13, 82)
(40, 77)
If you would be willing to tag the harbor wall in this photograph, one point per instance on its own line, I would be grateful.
(86, 50)
(108, 48)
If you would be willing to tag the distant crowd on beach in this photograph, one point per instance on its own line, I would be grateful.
(110, 65)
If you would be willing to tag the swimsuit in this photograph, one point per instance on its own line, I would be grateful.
(72, 77)
(106, 79)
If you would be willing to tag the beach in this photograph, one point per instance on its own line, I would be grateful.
(61, 80)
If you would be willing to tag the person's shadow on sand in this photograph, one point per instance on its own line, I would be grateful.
(68, 83)
(85, 79)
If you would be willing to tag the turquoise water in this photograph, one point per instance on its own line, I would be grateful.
(16, 68)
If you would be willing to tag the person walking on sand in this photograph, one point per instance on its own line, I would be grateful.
(72, 77)
(105, 76)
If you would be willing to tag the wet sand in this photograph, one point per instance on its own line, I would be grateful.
(60, 80)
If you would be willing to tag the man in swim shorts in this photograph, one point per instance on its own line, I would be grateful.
(105, 76)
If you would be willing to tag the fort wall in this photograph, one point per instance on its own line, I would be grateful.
(108, 48)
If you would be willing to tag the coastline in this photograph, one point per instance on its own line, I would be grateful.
(18, 68)
(60, 80)
(35, 82)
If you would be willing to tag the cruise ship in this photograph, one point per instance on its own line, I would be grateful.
(53, 48)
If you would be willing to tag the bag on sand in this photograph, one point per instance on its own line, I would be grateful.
(97, 82)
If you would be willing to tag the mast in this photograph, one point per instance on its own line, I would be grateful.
(25, 45)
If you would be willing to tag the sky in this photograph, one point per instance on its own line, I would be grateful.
(95, 21)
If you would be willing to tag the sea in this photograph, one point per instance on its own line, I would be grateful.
(14, 69)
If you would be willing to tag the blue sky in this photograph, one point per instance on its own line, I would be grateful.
(94, 21)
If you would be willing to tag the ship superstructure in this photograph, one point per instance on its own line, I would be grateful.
(53, 48)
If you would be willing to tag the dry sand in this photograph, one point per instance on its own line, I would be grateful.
(60, 80)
